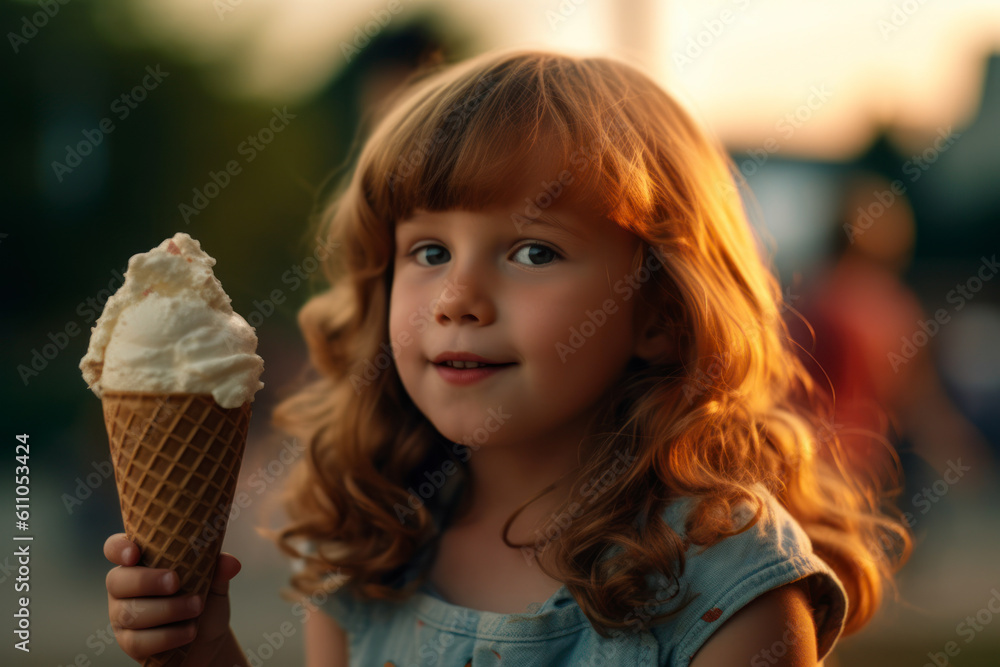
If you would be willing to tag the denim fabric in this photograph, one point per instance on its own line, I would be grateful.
(427, 631)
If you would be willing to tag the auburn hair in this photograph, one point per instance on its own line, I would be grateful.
(735, 409)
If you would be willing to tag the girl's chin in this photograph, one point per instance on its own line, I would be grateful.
(474, 436)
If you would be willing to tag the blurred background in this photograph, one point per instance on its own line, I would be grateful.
(867, 131)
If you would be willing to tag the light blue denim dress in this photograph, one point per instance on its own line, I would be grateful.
(428, 631)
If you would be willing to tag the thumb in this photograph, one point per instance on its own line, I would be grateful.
(227, 567)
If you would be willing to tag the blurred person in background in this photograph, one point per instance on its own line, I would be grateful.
(861, 340)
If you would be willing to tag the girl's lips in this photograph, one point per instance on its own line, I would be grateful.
(464, 376)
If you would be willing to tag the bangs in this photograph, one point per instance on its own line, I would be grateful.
(473, 138)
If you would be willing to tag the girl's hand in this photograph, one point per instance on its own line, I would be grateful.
(149, 617)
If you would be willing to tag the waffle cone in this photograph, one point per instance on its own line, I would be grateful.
(176, 458)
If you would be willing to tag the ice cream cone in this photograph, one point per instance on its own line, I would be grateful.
(176, 458)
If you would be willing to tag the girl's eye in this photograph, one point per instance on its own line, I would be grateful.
(533, 254)
(530, 256)
(438, 254)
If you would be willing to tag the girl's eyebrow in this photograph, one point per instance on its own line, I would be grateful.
(519, 221)
(553, 222)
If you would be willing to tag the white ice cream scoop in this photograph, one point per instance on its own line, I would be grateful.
(170, 328)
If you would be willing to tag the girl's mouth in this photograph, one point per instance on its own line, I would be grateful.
(468, 375)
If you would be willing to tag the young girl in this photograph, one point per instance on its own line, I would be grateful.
(641, 474)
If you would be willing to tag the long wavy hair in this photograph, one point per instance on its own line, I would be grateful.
(735, 409)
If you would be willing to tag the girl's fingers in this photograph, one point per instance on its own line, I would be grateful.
(120, 551)
(140, 644)
(227, 567)
(141, 613)
(131, 582)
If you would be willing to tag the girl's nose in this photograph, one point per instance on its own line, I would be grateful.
(466, 296)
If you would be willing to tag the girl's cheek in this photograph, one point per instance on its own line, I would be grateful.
(410, 315)
(417, 323)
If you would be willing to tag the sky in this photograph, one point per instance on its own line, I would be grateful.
(815, 78)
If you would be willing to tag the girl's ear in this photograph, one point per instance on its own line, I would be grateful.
(655, 341)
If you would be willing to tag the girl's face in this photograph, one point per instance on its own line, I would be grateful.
(556, 302)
